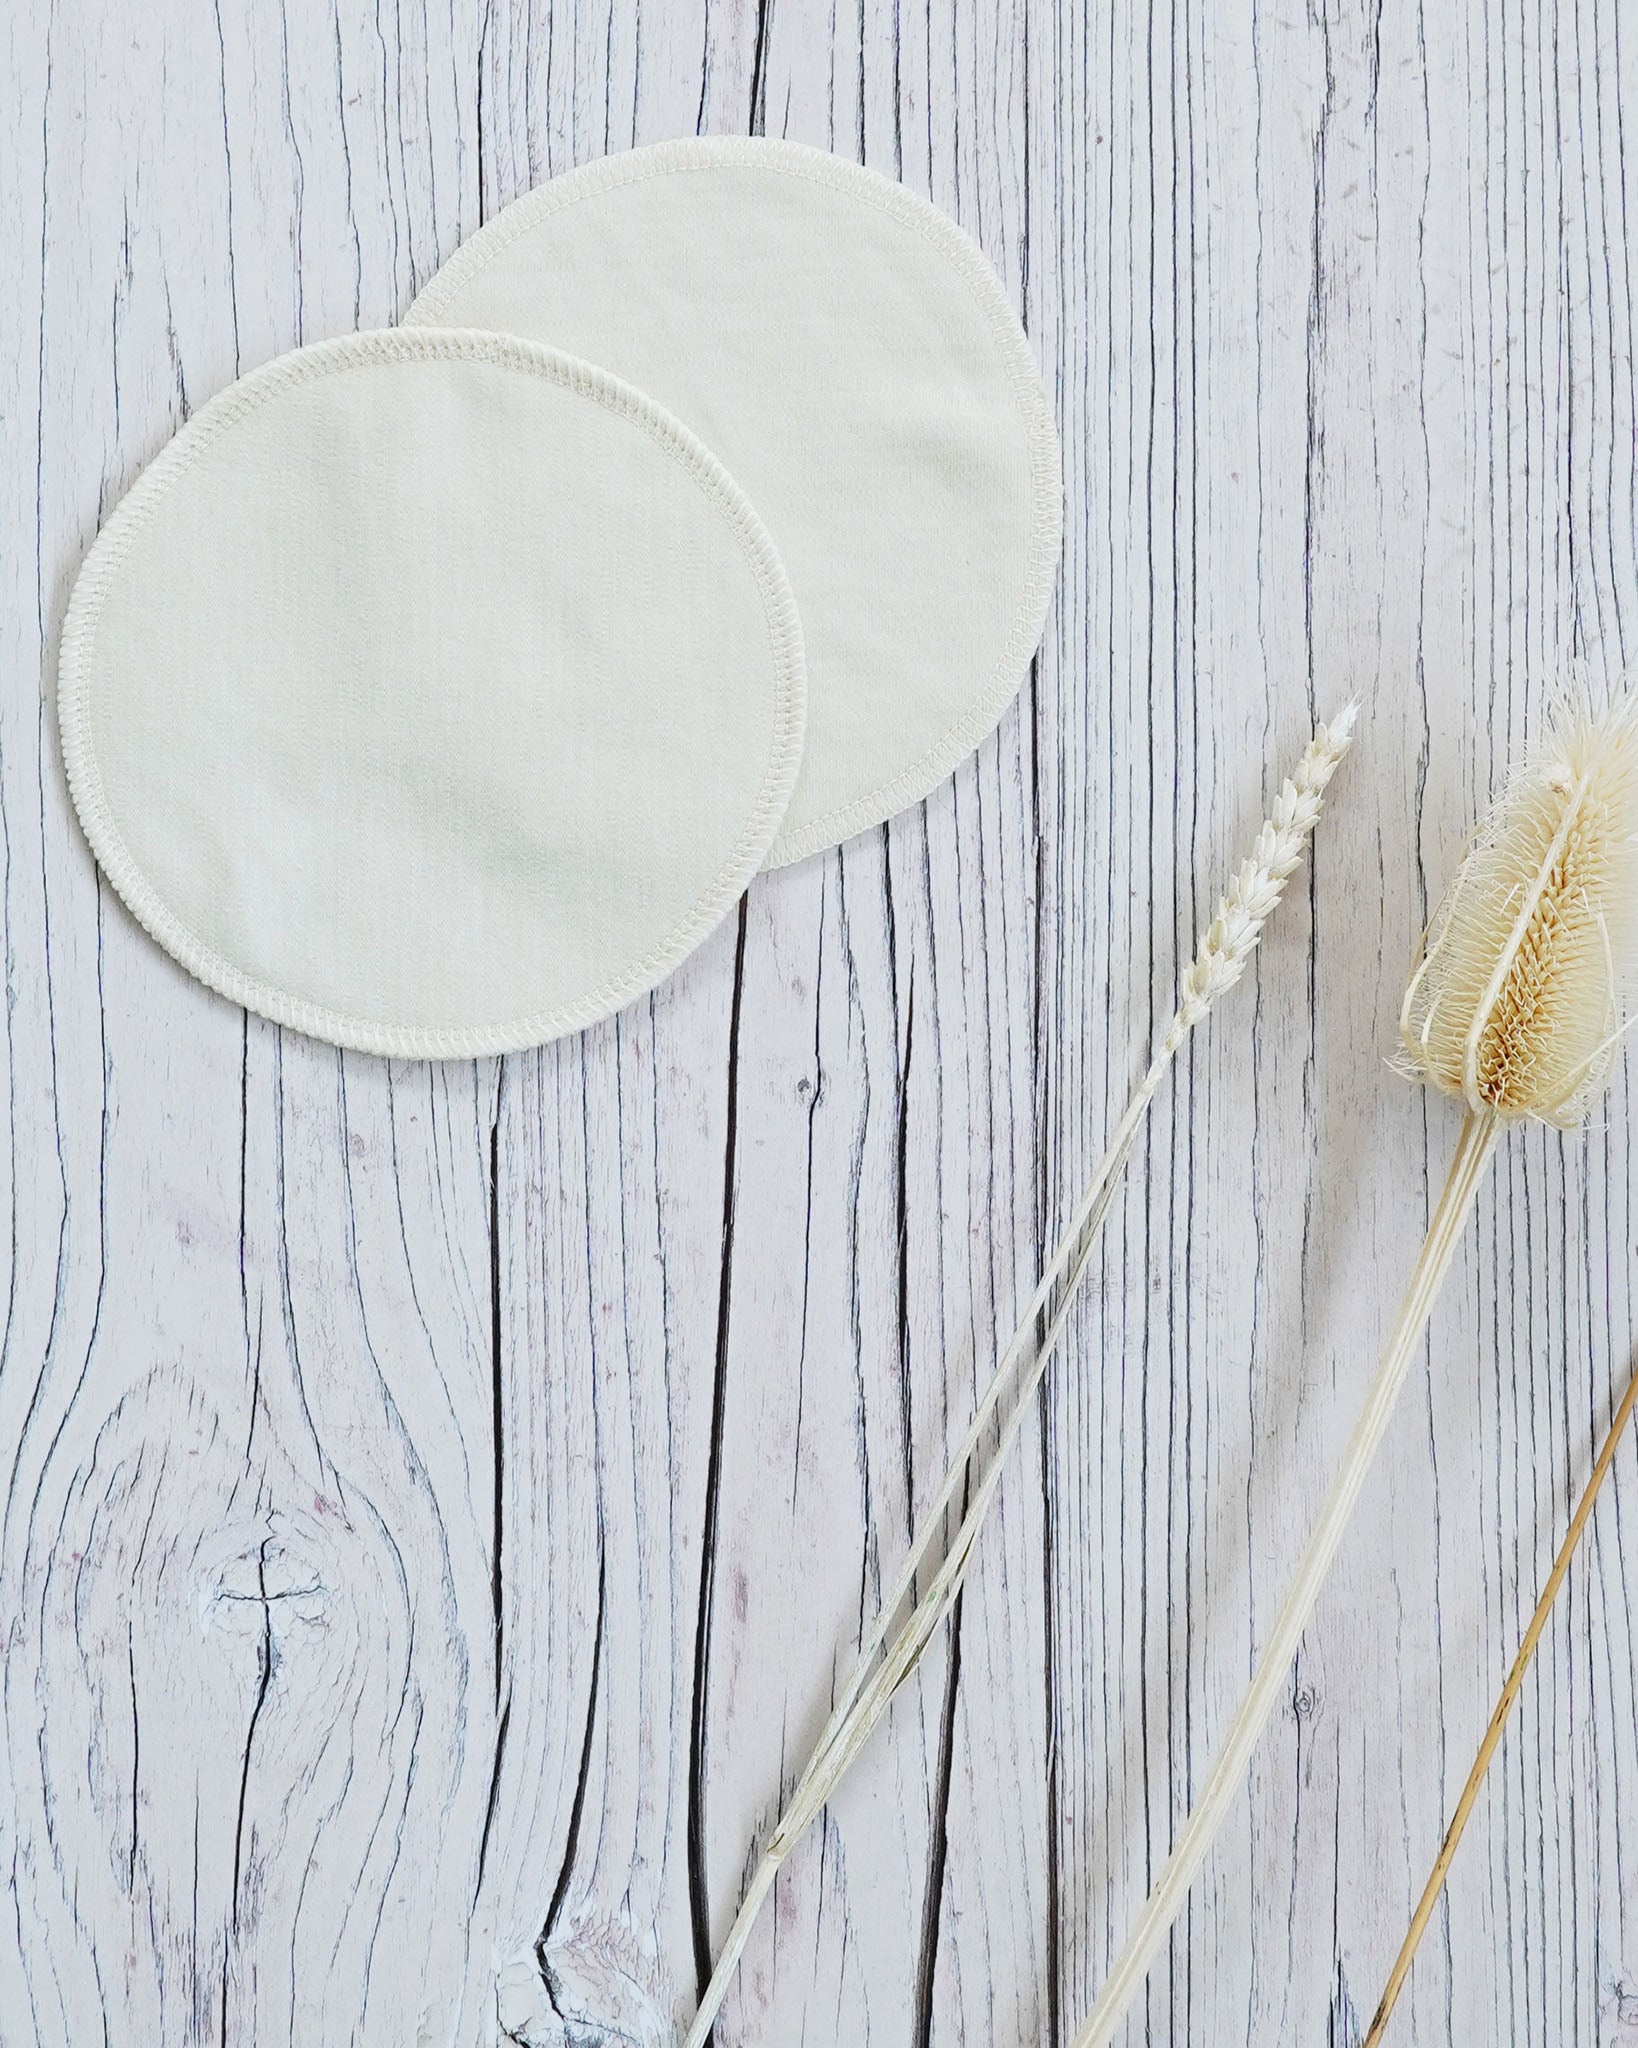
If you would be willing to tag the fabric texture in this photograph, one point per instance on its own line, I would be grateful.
(853, 360)
(433, 693)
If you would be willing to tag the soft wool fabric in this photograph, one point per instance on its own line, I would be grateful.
(432, 693)
(853, 360)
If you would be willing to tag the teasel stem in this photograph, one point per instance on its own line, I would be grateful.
(883, 1666)
(1498, 1719)
(1480, 1131)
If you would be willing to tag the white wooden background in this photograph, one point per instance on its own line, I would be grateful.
(438, 1502)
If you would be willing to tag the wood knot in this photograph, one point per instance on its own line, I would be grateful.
(274, 1575)
(593, 1986)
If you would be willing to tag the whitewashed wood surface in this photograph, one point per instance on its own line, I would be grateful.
(438, 1502)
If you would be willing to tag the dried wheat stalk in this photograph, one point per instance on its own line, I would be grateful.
(883, 1666)
(1514, 1005)
(1498, 1719)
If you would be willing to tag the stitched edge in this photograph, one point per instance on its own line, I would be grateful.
(793, 159)
(76, 678)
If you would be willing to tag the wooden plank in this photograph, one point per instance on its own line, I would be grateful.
(440, 1501)
(245, 1397)
(1317, 277)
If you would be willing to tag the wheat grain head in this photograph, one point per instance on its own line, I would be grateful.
(1229, 941)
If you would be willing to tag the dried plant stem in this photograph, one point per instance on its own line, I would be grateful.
(1504, 1707)
(882, 1666)
(876, 1677)
(1478, 1139)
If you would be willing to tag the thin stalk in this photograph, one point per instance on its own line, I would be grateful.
(1504, 1707)
(882, 1667)
(1084, 1222)
(905, 1652)
(1473, 1149)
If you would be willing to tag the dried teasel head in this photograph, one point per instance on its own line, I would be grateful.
(1526, 972)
